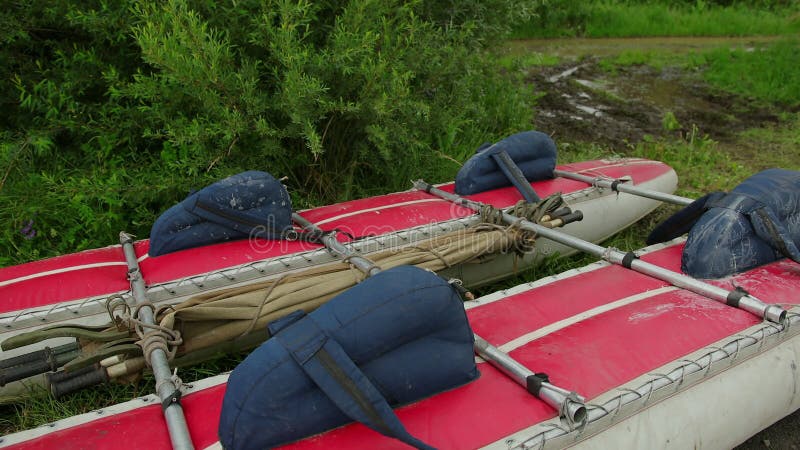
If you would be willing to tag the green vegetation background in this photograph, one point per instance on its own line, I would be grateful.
(114, 110)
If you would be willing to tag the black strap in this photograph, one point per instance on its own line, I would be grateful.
(215, 212)
(534, 382)
(173, 399)
(767, 228)
(735, 296)
(627, 260)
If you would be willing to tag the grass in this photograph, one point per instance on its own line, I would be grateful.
(768, 73)
(652, 58)
(616, 18)
(775, 146)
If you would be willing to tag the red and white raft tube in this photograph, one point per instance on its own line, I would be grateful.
(75, 288)
(659, 367)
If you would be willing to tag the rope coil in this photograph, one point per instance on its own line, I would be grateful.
(533, 212)
(152, 336)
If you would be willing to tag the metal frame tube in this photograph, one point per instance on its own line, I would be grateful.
(747, 303)
(173, 413)
(623, 187)
(567, 403)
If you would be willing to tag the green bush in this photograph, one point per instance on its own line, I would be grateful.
(113, 110)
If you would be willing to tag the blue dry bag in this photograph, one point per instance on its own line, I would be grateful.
(249, 204)
(533, 152)
(758, 222)
(399, 336)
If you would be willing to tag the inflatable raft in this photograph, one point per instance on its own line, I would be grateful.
(625, 352)
(656, 365)
(75, 288)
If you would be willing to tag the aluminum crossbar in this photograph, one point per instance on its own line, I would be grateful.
(621, 186)
(736, 298)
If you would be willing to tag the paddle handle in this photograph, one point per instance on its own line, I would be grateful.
(63, 383)
(515, 176)
(46, 360)
(575, 216)
(37, 355)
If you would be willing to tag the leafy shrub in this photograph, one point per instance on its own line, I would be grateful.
(114, 111)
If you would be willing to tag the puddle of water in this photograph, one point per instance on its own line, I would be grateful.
(663, 90)
(589, 110)
(585, 103)
(592, 84)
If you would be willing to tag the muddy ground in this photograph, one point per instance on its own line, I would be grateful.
(583, 102)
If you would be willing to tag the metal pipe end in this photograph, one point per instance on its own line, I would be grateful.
(575, 412)
(775, 314)
(570, 405)
(480, 344)
(125, 238)
(420, 184)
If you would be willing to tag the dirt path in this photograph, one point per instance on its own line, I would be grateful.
(583, 102)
